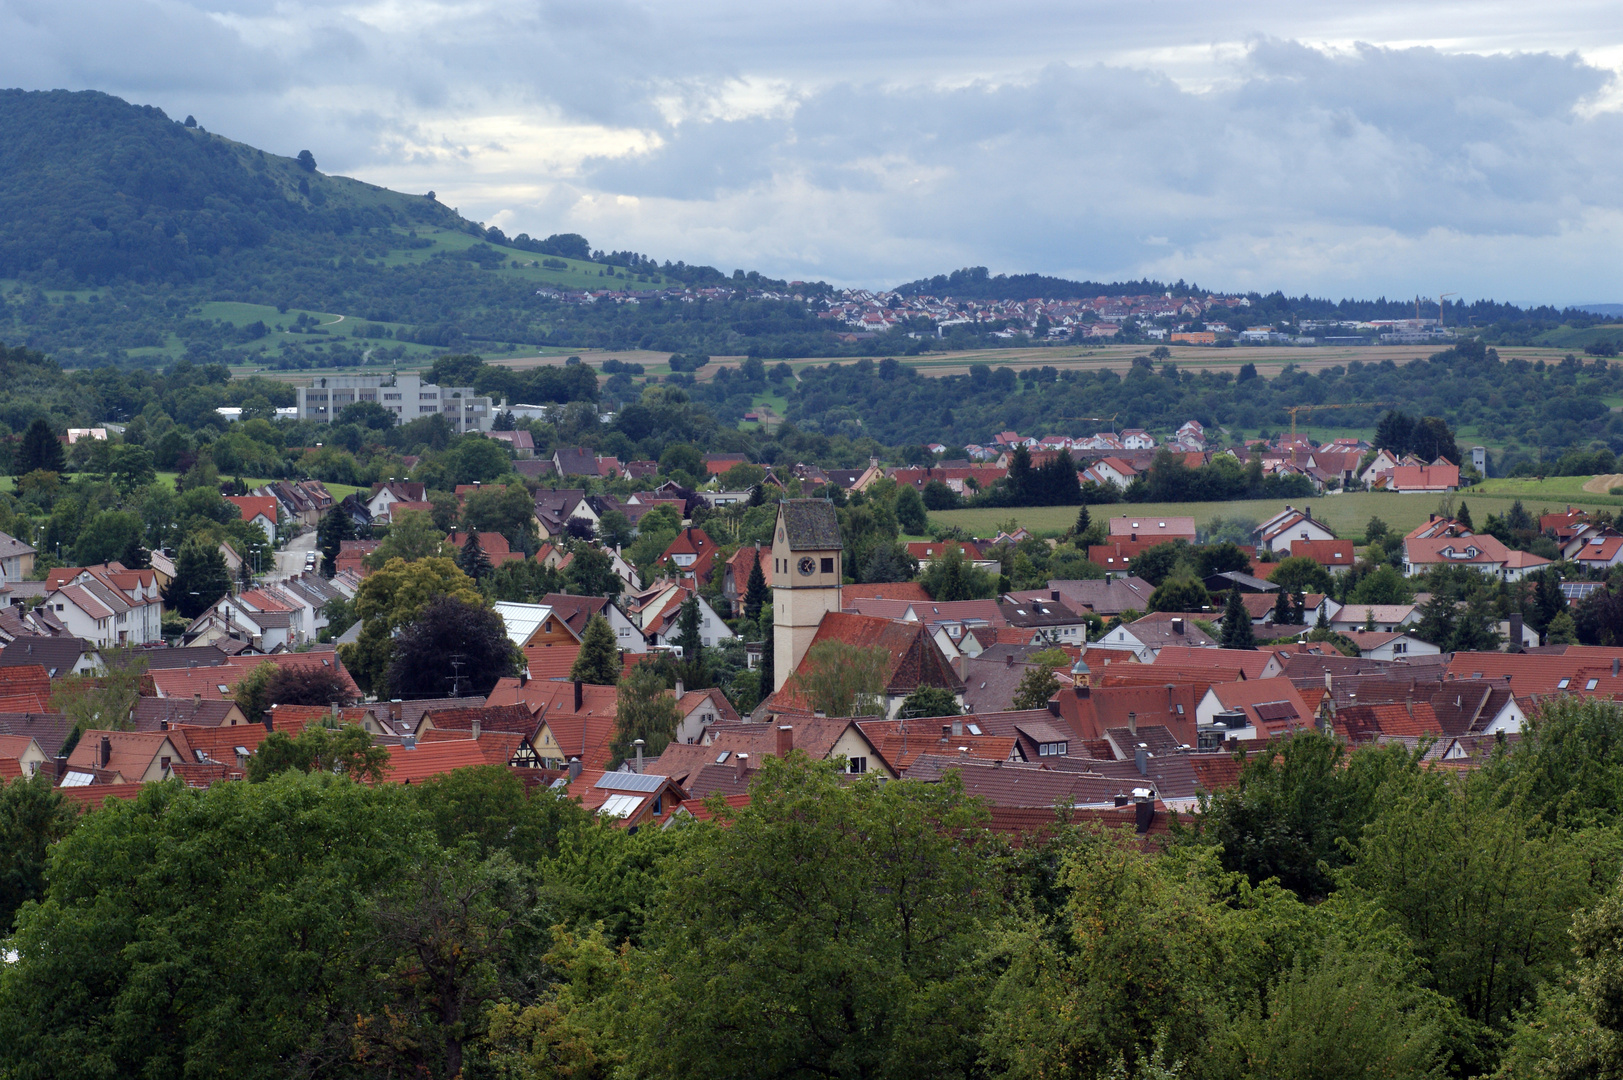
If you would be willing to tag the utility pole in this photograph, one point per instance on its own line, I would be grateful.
(457, 661)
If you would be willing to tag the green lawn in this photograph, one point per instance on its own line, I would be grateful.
(1549, 489)
(1346, 514)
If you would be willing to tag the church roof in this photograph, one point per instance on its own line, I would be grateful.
(810, 525)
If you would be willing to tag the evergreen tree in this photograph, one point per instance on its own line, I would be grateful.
(1237, 624)
(687, 636)
(1282, 608)
(756, 594)
(335, 527)
(472, 559)
(1463, 516)
(41, 450)
(599, 659)
(1299, 610)
(1083, 520)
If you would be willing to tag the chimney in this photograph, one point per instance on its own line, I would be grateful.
(946, 732)
(786, 740)
(1132, 723)
(1141, 758)
(1177, 626)
(524, 678)
(197, 701)
(106, 751)
(1516, 631)
(337, 709)
(577, 695)
(1144, 816)
(639, 744)
(163, 725)
(477, 726)
(741, 766)
(680, 690)
(1008, 659)
(574, 768)
(61, 767)
(1121, 800)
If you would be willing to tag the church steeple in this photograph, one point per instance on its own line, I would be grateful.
(806, 578)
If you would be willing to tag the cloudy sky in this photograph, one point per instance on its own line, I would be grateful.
(1348, 149)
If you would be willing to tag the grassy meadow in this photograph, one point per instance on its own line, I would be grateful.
(1346, 514)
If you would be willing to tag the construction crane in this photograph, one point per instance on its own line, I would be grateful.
(1294, 409)
(1440, 307)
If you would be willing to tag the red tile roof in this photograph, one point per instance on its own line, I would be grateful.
(1327, 553)
(900, 590)
(187, 682)
(253, 506)
(551, 661)
(418, 763)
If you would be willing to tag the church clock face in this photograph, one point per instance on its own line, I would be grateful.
(807, 566)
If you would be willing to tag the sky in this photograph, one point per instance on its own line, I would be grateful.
(1347, 149)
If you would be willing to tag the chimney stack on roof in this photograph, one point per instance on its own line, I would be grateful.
(574, 768)
(786, 740)
(1132, 723)
(577, 695)
(477, 726)
(106, 751)
(1177, 626)
(639, 744)
(741, 766)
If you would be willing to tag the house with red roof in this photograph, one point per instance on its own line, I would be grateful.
(1480, 552)
(495, 546)
(1440, 476)
(1111, 471)
(913, 659)
(629, 800)
(107, 604)
(1290, 525)
(735, 574)
(1334, 555)
(257, 510)
(1599, 553)
(896, 590)
(692, 553)
(1253, 709)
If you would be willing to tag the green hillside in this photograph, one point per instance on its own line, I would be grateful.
(129, 236)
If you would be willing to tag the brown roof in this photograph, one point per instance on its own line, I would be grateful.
(149, 712)
(49, 730)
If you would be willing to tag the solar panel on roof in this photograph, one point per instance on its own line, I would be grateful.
(620, 805)
(629, 781)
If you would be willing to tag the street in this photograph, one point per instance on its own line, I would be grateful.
(290, 559)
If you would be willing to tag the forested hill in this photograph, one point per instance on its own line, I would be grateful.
(105, 190)
(978, 283)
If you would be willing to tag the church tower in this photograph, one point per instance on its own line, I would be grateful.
(806, 578)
